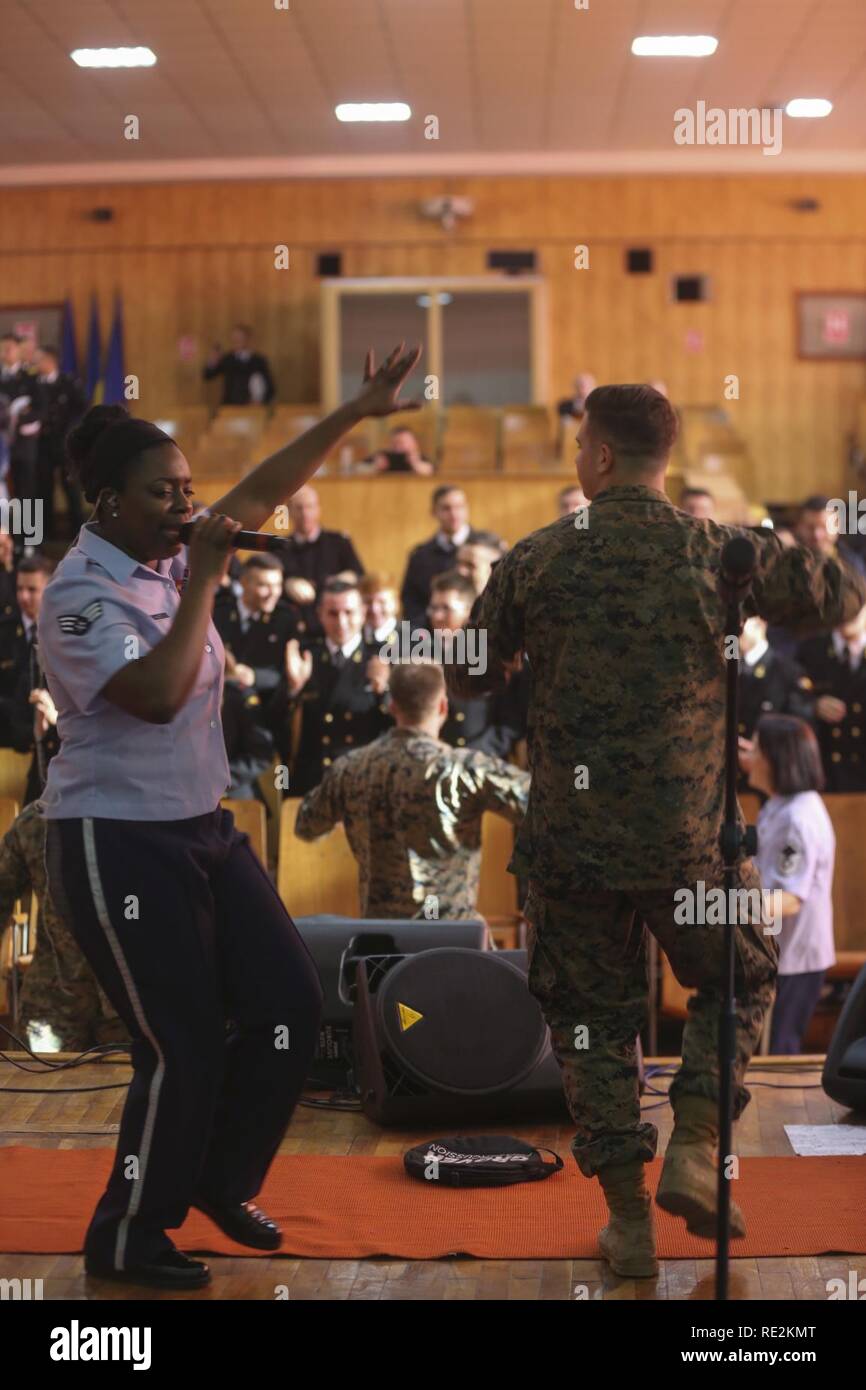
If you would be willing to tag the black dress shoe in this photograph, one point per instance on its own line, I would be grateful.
(245, 1224)
(171, 1270)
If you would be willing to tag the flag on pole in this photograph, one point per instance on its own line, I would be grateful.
(68, 348)
(115, 371)
(93, 365)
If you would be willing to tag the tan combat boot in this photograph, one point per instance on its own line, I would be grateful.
(628, 1241)
(689, 1182)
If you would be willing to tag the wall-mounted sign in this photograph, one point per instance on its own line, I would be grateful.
(831, 327)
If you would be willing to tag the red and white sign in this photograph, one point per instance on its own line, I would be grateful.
(836, 327)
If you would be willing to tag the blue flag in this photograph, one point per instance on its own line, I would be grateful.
(68, 348)
(93, 365)
(115, 371)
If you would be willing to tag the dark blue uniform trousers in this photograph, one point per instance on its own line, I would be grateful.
(191, 943)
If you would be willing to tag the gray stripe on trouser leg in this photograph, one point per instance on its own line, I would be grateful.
(99, 903)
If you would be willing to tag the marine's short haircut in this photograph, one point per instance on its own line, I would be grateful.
(416, 688)
(636, 421)
(453, 579)
(791, 748)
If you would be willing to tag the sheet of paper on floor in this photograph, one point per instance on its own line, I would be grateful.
(815, 1140)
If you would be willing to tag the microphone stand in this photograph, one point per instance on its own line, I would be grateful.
(738, 561)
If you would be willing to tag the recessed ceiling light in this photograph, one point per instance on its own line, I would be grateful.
(113, 57)
(808, 106)
(674, 46)
(373, 111)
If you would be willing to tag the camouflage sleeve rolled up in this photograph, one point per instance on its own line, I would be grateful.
(322, 808)
(500, 787)
(802, 591)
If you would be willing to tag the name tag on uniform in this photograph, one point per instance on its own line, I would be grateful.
(158, 615)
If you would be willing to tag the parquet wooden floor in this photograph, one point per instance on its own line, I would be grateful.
(780, 1097)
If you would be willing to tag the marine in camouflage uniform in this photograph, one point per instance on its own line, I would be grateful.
(412, 809)
(59, 988)
(619, 614)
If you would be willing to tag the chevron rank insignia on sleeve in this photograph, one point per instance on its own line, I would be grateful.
(76, 624)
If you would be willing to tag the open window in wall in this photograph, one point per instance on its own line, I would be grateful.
(484, 338)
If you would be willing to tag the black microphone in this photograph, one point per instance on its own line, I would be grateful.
(739, 558)
(243, 540)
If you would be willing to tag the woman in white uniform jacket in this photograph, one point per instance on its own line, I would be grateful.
(178, 918)
(796, 854)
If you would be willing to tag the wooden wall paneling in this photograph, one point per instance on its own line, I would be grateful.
(193, 258)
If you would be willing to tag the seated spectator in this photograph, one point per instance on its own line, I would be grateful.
(836, 668)
(402, 454)
(381, 608)
(328, 680)
(476, 558)
(813, 531)
(22, 413)
(8, 602)
(698, 502)
(256, 626)
(570, 499)
(493, 722)
(769, 682)
(17, 641)
(412, 806)
(246, 374)
(573, 406)
(64, 402)
(63, 1008)
(432, 557)
(796, 853)
(312, 556)
(249, 744)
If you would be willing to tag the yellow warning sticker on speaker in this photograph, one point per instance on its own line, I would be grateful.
(407, 1017)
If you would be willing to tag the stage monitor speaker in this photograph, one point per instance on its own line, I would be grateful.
(337, 945)
(844, 1075)
(452, 1036)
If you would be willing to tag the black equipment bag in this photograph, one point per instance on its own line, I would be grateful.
(484, 1160)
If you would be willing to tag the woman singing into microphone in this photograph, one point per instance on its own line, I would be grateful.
(172, 908)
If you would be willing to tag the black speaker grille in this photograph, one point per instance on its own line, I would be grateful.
(461, 1021)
